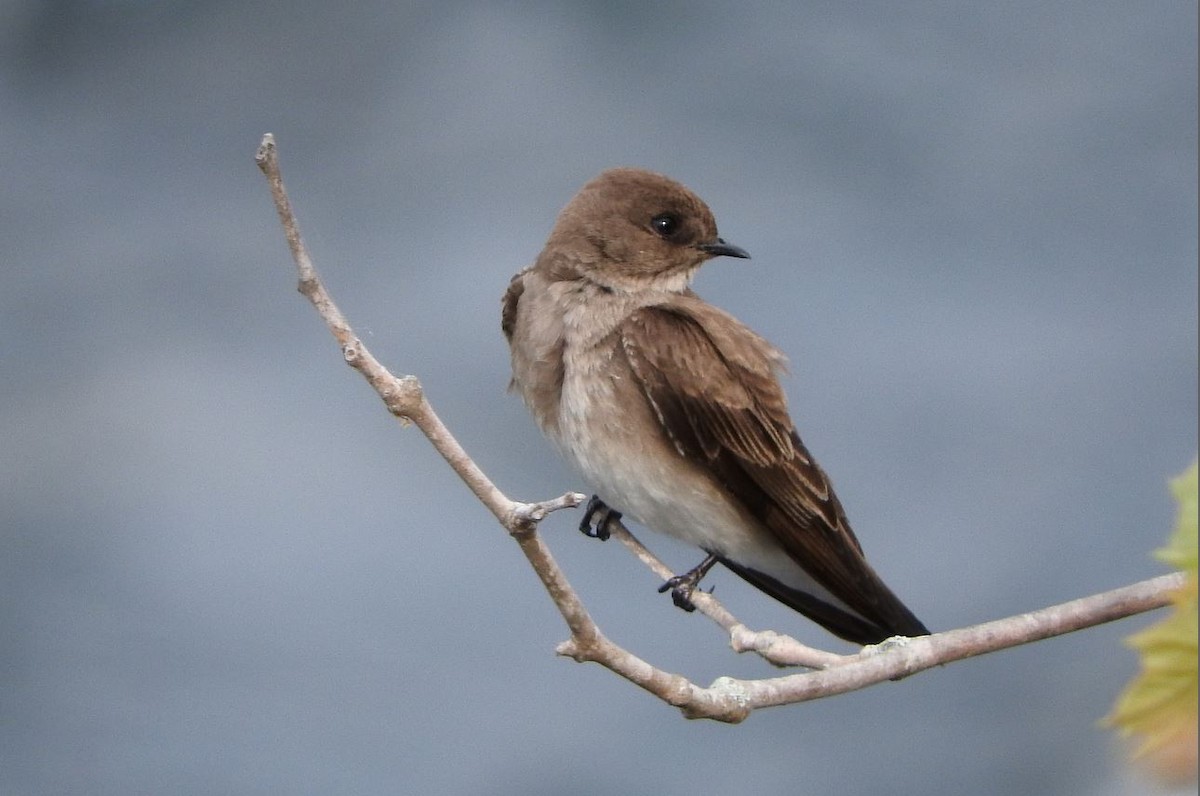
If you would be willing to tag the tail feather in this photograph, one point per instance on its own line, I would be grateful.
(838, 621)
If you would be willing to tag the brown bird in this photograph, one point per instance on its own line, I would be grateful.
(671, 409)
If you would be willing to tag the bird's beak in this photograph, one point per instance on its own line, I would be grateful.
(719, 248)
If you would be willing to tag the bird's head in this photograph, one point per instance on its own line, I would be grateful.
(630, 230)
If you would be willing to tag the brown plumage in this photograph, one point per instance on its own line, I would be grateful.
(672, 409)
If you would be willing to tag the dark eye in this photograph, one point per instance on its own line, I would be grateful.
(665, 224)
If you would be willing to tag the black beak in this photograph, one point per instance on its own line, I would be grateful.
(719, 248)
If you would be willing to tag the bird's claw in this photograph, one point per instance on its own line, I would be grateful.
(683, 586)
(602, 515)
(680, 595)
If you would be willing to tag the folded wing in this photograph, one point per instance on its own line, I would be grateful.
(714, 387)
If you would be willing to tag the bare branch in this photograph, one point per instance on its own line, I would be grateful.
(899, 657)
(727, 699)
(775, 648)
(405, 399)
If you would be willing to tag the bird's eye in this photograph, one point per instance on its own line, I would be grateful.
(665, 224)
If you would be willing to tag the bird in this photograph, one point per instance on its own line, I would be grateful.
(672, 411)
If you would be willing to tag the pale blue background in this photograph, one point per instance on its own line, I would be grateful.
(225, 569)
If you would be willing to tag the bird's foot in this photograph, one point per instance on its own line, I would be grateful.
(597, 518)
(683, 586)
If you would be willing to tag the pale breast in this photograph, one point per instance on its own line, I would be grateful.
(570, 370)
(609, 433)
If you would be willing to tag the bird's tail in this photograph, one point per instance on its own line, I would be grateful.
(892, 619)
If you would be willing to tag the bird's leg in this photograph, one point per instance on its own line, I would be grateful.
(682, 586)
(602, 515)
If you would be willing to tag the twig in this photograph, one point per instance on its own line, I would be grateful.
(773, 647)
(727, 699)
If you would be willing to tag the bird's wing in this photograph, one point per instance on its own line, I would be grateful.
(714, 387)
(512, 296)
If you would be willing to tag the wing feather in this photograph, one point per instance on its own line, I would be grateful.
(714, 388)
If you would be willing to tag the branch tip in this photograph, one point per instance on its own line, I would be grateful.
(265, 152)
(524, 517)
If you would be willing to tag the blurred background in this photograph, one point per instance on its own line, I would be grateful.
(225, 569)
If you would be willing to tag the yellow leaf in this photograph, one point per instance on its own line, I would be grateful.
(1180, 551)
(1160, 704)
